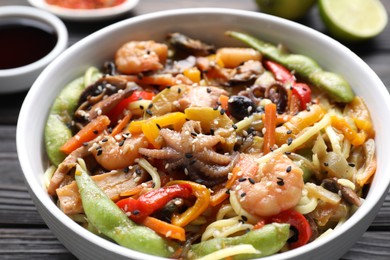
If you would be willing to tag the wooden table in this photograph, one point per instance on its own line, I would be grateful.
(23, 234)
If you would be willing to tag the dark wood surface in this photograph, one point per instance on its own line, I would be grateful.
(24, 235)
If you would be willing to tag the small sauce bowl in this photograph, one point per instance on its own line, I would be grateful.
(30, 40)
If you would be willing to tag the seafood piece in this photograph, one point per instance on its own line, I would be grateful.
(118, 152)
(193, 152)
(112, 183)
(201, 97)
(277, 186)
(64, 167)
(140, 56)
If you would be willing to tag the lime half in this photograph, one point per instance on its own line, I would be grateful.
(289, 9)
(353, 20)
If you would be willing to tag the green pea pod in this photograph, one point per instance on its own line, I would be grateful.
(333, 84)
(57, 131)
(108, 219)
(267, 240)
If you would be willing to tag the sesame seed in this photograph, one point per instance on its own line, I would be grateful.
(287, 153)
(158, 126)
(326, 164)
(351, 164)
(141, 107)
(227, 191)
(95, 132)
(244, 218)
(194, 134)
(241, 179)
(288, 169)
(289, 141)
(209, 90)
(289, 132)
(280, 181)
(252, 181)
(150, 105)
(135, 212)
(99, 151)
(243, 194)
(234, 126)
(121, 143)
(188, 155)
(85, 144)
(104, 140)
(222, 111)
(179, 90)
(149, 112)
(138, 171)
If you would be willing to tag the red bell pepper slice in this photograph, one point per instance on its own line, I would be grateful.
(299, 224)
(117, 111)
(153, 200)
(283, 75)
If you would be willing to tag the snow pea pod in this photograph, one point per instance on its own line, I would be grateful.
(111, 221)
(268, 240)
(331, 83)
(57, 130)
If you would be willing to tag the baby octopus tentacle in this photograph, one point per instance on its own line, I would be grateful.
(172, 139)
(164, 153)
(209, 156)
(216, 171)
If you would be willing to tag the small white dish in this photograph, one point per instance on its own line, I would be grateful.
(21, 78)
(85, 14)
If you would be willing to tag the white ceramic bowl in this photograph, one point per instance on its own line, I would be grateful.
(208, 25)
(21, 78)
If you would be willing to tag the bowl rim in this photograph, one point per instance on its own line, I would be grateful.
(45, 17)
(33, 94)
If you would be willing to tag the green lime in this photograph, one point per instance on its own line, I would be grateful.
(353, 20)
(289, 9)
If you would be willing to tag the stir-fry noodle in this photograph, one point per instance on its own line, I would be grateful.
(184, 150)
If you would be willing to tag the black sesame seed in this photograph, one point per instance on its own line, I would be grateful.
(179, 90)
(241, 221)
(227, 191)
(241, 179)
(149, 112)
(188, 155)
(288, 169)
(252, 181)
(168, 87)
(95, 132)
(99, 152)
(121, 143)
(243, 194)
(289, 132)
(215, 108)
(326, 164)
(158, 126)
(85, 144)
(244, 218)
(280, 181)
(138, 171)
(126, 170)
(212, 131)
(287, 153)
(150, 105)
(289, 141)
(194, 134)
(209, 90)
(222, 111)
(351, 164)
(104, 140)
(141, 107)
(234, 126)
(135, 212)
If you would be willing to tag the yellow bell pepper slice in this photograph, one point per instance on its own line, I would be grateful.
(356, 138)
(202, 202)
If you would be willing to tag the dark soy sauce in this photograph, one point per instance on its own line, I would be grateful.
(24, 41)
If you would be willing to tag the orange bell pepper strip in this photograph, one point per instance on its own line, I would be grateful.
(224, 100)
(86, 134)
(270, 126)
(164, 228)
(297, 123)
(356, 138)
(202, 202)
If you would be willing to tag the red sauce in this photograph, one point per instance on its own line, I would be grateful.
(24, 41)
(85, 4)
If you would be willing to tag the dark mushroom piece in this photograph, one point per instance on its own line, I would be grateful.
(241, 106)
(190, 46)
(347, 193)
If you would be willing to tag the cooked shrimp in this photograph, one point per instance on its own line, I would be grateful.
(118, 152)
(140, 56)
(277, 186)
